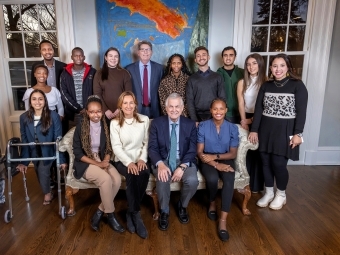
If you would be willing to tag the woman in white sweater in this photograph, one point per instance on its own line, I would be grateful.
(129, 138)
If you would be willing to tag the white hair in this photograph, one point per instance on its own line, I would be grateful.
(174, 96)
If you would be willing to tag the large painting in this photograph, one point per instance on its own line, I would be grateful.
(171, 26)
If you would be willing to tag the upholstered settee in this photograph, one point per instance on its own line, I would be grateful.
(241, 175)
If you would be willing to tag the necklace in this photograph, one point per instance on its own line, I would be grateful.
(128, 122)
(279, 85)
(96, 131)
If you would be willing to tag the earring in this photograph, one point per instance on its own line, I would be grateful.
(287, 74)
(271, 76)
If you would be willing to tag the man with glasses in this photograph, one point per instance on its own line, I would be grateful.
(146, 76)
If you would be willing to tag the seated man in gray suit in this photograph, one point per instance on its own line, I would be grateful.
(146, 76)
(172, 150)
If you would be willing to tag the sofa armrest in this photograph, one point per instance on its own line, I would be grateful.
(66, 145)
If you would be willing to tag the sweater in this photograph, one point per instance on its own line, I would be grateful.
(230, 86)
(201, 90)
(119, 80)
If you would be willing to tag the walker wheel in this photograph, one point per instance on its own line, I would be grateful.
(7, 217)
(63, 212)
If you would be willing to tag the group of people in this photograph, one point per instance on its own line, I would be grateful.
(193, 124)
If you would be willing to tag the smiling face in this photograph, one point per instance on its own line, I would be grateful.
(144, 53)
(218, 110)
(128, 106)
(252, 67)
(176, 65)
(174, 108)
(202, 58)
(279, 68)
(37, 101)
(94, 111)
(46, 51)
(229, 58)
(41, 74)
(78, 57)
(112, 58)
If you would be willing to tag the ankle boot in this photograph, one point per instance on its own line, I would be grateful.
(267, 198)
(129, 223)
(279, 200)
(113, 223)
(95, 221)
(139, 225)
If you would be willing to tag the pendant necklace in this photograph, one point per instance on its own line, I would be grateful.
(279, 85)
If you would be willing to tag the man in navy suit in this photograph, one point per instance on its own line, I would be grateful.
(146, 76)
(172, 150)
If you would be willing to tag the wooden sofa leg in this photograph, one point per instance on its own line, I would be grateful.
(69, 196)
(247, 194)
(153, 195)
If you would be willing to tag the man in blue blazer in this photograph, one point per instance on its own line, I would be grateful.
(172, 150)
(146, 76)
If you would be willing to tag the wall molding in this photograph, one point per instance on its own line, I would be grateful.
(323, 156)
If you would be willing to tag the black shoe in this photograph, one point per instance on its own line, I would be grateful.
(113, 223)
(129, 223)
(223, 234)
(212, 215)
(182, 213)
(95, 221)
(139, 225)
(163, 221)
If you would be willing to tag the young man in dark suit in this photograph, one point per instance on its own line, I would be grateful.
(146, 76)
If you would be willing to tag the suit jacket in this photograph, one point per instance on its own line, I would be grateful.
(155, 79)
(80, 166)
(59, 67)
(159, 140)
(27, 136)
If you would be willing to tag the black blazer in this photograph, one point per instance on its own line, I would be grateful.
(80, 166)
(59, 67)
(159, 140)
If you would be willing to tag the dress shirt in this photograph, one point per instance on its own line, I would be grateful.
(206, 73)
(51, 79)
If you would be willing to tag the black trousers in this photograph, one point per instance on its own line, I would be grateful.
(275, 167)
(135, 185)
(212, 175)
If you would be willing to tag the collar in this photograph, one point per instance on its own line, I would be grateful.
(53, 65)
(206, 72)
(171, 122)
(142, 65)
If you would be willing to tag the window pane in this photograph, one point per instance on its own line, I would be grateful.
(280, 11)
(261, 12)
(18, 94)
(32, 41)
(29, 17)
(15, 48)
(17, 73)
(11, 17)
(47, 17)
(296, 38)
(298, 11)
(29, 71)
(52, 37)
(277, 39)
(297, 63)
(259, 39)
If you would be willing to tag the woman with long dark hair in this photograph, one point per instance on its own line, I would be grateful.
(175, 80)
(40, 124)
(111, 81)
(279, 119)
(92, 154)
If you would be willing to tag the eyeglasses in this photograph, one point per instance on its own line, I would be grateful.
(145, 50)
(95, 112)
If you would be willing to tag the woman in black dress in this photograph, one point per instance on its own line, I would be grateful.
(279, 119)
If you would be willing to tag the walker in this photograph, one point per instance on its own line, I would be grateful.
(9, 213)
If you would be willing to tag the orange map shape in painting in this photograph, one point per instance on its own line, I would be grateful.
(167, 20)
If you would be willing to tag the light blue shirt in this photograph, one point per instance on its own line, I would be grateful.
(51, 79)
(141, 71)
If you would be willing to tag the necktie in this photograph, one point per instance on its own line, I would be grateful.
(145, 87)
(173, 148)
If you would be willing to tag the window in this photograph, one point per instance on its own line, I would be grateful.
(25, 26)
(280, 26)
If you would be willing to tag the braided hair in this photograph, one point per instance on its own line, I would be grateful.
(184, 68)
(85, 130)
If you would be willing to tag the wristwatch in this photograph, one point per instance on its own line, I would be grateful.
(182, 167)
(299, 135)
(218, 156)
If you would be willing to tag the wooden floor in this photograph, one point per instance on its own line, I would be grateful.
(308, 224)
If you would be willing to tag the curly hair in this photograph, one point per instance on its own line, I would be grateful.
(85, 129)
(184, 68)
(120, 116)
(46, 120)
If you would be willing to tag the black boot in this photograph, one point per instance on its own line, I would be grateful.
(129, 223)
(114, 224)
(139, 225)
(95, 221)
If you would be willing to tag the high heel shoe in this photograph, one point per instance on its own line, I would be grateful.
(114, 224)
(95, 221)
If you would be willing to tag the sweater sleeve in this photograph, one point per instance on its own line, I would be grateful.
(301, 98)
(258, 110)
(144, 155)
(191, 101)
(127, 81)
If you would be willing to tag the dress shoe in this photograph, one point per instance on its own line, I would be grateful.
(267, 198)
(212, 215)
(130, 226)
(139, 225)
(163, 221)
(182, 213)
(113, 223)
(279, 200)
(223, 234)
(95, 221)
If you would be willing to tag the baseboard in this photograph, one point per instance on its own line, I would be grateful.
(323, 156)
